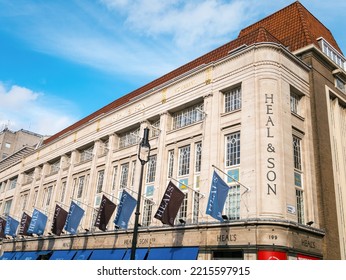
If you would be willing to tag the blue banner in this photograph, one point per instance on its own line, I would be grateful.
(74, 217)
(217, 197)
(125, 209)
(11, 226)
(38, 223)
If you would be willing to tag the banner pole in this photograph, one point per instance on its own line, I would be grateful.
(247, 188)
(152, 201)
(202, 195)
(61, 203)
(111, 195)
(83, 203)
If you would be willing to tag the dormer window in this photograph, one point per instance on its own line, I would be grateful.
(332, 53)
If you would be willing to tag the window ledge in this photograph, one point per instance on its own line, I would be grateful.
(231, 112)
(298, 116)
(183, 127)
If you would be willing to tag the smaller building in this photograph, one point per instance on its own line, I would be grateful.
(13, 141)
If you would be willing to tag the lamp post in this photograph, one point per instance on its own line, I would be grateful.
(143, 156)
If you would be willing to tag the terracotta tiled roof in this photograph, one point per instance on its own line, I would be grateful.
(295, 27)
(300, 30)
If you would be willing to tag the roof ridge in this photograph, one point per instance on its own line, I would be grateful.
(267, 17)
(264, 35)
(305, 28)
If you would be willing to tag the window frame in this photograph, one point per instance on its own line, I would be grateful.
(100, 180)
(232, 154)
(232, 99)
(184, 160)
(188, 116)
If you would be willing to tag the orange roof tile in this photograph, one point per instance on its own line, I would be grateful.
(300, 30)
(295, 27)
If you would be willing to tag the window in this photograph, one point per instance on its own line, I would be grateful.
(115, 174)
(23, 201)
(129, 138)
(147, 212)
(94, 216)
(100, 177)
(340, 84)
(233, 149)
(196, 194)
(124, 175)
(294, 102)
(80, 186)
(133, 173)
(35, 198)
(170, 163)
(13, 183)
(332, 53)
(188, 116)
(63, 191)
(297, 153)
(151, 169)
(182, 214)
(195, 214)
(297, 157)
(184, 161)
(74, 187)
(198, 156)
(86, 154)
(7, 207)
(233, 99)
(300, 206)
(7, 145)
(232, 203)
(47, 196)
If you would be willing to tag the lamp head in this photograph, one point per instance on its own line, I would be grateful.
(144, 147)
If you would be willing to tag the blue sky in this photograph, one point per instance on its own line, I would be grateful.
(62, 60)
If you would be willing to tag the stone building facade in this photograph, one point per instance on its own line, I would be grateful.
(262, 109)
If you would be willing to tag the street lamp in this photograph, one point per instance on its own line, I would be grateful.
(143, 156)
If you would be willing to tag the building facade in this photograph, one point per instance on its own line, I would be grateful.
(264, 113)
(13, 141)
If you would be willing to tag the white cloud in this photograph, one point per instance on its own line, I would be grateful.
(22, 108)
(188, 22)
(135, 38)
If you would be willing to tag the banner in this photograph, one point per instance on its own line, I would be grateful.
(74, 217)
(104, 214)
(125, 209)
(59, 220)
(24, 224)
(38, 223)
(217, 197)
(170, 204)
(11, 226)
(2, 227)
